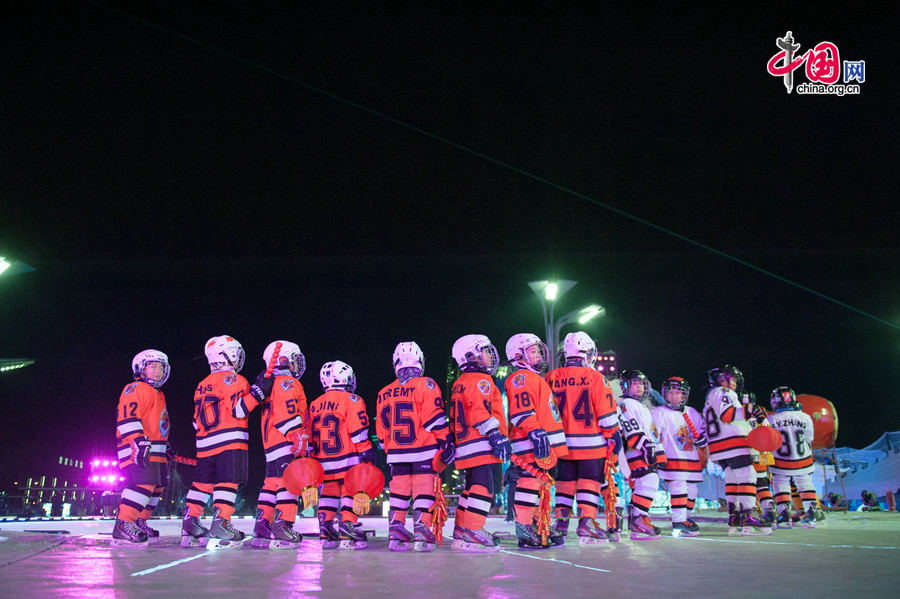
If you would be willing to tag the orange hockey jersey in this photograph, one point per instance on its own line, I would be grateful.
(476, 408)
(410, 420)
(532, 406)
(587, 408)
(338, 431)
(141, 412)
(220, 417)
(283, 416)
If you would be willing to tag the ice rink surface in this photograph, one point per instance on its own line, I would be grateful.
(850, 555)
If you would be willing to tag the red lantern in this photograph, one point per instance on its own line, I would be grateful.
(824, 417)
(764, 438)
(363, 481)
(302, 477)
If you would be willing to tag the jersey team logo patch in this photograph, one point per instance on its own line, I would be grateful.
(430, 383)
(519, 380)
(164, 423)
(130, 388)
(230, 379)
(354, 398)
(287, 384)
(484, 387)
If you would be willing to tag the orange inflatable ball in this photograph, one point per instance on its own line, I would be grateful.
(824, 417)
(301, 474)
(764, 438)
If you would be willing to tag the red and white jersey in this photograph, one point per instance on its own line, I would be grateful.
(794, 457)
(726, 426)
(637, 431)
(411, 419)
(533, 406)
(476, 408)
(283, 416)
(587, 409)
(338, 431)
(141, 412)
(221, 403)
(677, 440)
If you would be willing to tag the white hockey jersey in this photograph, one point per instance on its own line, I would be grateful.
(636, 426)
(677, 440)
(794, 457)
(726, 426)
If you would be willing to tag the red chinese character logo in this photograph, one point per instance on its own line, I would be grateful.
(823, 63)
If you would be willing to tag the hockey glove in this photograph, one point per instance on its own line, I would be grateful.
(300, 444)
(648, 452)
(500, 446)
(367, 456)
(448, 451)
(615, 442)
(140, 451)
(541, 442)
(262, 388)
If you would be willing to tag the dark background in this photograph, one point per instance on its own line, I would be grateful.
(348, 178)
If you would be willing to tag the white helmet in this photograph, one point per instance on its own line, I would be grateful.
(224, 352)
(408, 354)
(469, 350)
(526, 350)
(143, 359)
(579, 345)
(337, 375)
(289, 355)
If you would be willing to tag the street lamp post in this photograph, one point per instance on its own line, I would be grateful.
(550, 291)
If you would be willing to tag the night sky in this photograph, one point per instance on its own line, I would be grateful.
(348, 178)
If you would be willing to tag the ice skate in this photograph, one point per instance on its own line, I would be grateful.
(589, 534)
(685, 529)
(528, 537)
(152, 533)
(642, 528)
(262, 534)
(809, 519)
(769, 517)
(193, 534)
(475, 541)
(424, 538)
(751, 527)
(458, 532)
(797, 516)
(284, 536)
(399, 538)
(328, 534)
(352, 536)
(784, 520)
(222, 535)
(128, 534)
(734, 524)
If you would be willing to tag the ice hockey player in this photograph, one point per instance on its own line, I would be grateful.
(793, 460)
(588, 411)
(480, 436)
(142, 431)
(535, 430)
(757, 415)
(642, 452)
(339, 432)
(220, 420)
(726, 431)
(283, 434)
(682, 435)
(413, 428)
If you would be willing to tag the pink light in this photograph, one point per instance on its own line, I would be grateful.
(96, 462)
(103, 478)
(95, 478)
(121, 478)
(114, 463)
(106, 462)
